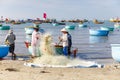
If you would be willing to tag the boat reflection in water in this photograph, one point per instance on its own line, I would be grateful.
(98, 39)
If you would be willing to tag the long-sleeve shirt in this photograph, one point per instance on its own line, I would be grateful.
(10, 38)
(35, 38)
(66, 39)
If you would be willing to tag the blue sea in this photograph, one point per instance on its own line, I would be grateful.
(96, 48)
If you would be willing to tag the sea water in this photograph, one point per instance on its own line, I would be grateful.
(89, 47)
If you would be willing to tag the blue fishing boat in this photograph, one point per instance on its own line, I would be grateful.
(98, 32)
(115, 48)
(107, 28)
(70, 27)
(4, 27)
(4, 49)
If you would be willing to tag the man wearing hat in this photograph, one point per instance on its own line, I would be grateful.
(66, 40)
(10, 40)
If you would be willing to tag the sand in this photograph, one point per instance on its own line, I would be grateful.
(16, 70)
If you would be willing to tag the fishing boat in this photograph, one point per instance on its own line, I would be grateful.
(107, 28)
(117, 25)
(55, 24)
(115, 48)
(82, 25)
(114, 20)
(98, 32)
(4, 27)
(70, 27)
(97, 22)
(4, 49)
(58, 23)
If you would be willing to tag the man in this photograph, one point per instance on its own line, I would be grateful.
(66, 40)
(10, 40)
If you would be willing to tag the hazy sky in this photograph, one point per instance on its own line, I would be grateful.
(60, 9)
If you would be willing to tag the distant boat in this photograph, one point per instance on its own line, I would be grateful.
(70, 27)
(114, 20)
(97, 22)
(117, 25)
(107, 28)
(98, 32)
(4, 27)
(55, 24)
(58, 23)
(82, 25)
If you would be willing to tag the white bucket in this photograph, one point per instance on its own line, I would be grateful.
(115, 48)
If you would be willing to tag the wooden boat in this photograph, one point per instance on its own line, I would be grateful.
(114, 20)
(70, 27)
(97, 22)
(107, 28)
(4, 49)
(4, 27)
(82, 25)
(115, 48)
(98, 32)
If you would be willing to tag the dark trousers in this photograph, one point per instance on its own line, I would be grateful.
(12, 48)
(69, 50)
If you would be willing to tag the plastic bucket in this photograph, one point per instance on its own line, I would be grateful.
(115, 48)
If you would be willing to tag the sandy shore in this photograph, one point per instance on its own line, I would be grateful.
(15, 70)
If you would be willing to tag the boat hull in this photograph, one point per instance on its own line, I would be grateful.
(98, 32)
(70, 27)
(107, 28)
(82, 25)
(4, 49)
(4, 27)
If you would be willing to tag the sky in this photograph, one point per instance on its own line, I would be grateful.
(60, 9)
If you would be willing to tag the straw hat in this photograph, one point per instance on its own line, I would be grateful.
(64, 30)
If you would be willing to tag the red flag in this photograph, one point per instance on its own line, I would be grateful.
(44, 15)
